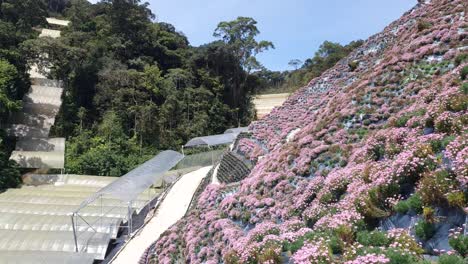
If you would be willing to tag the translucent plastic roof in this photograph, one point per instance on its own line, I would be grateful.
(45, 257)
(60, 209)
(213, 140)
(34, 72)
(87, 180)
(33, 120)
(39, 159)
(40, 144)
(132, 184)
(200, 159)
(15, 221)
(44, 95)
(23, 130)
(236, 130)
(49, 33)
(40, 199)
(46, 82)
(88, 242)
(55, 21)
(42, 109)
(77, 192)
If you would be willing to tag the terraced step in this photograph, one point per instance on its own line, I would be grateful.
(231, 169)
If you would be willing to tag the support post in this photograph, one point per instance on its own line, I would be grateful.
(129, 221)
(74, 231)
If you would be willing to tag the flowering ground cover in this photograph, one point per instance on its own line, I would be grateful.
(381, 134)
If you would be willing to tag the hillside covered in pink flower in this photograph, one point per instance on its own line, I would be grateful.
(366, 164)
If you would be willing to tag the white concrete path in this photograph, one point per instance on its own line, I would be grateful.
(172, 208)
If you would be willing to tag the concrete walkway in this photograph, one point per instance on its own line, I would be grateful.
(172, 208)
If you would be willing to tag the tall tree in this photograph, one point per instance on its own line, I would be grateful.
(240, 35)
(295, 63)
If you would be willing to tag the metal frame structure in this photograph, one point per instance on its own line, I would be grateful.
(127, 189)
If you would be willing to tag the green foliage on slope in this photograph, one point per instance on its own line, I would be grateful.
(135, 86)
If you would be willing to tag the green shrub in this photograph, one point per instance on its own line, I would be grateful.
(231, 258)
(456, 199)
(415, 203)
(353, 65)
(402, 207)
(399, 257)
(464, 72)
(424, 230)
(451, 259)
(412, 203)
(433, 187)
(336, 245)
(429, 214)
(269, 255)
(464, 88)
(423, 25)
(461, 59)
(438, 145)
(457, 103)
(374, 238)
(460, 244)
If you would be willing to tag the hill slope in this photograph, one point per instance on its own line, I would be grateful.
(377, 142)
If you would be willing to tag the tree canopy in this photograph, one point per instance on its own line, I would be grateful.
(135, 86)
(240, 35)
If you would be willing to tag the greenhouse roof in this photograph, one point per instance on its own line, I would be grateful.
(128, 187)
(213, 140)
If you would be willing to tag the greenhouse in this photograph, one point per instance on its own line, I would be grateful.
(74, 217)
(45, 257)
(214, 140)
(236, 130)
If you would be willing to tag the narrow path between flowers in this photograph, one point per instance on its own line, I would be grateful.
(172, 208)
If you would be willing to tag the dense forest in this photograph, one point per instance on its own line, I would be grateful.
(134, 86)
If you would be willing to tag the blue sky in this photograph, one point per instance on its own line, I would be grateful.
(296, 27)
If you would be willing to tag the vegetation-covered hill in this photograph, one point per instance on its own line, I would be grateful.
(365, 164)
(134, 87)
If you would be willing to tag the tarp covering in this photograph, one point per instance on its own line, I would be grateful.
(213, 140)
(45, 257)
(236, 130)
(90, 242)
(128, 187)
